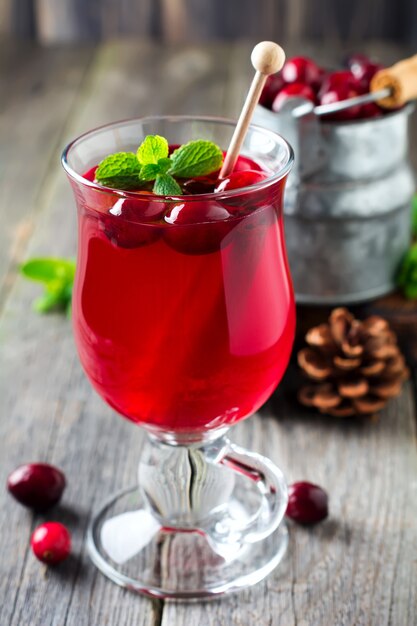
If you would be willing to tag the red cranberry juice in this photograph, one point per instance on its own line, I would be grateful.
(183, 326)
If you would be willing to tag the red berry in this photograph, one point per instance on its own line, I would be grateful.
(294, 90)
(140, 209)
(36, 485)
(197, 227)
(91, 174)
(357, 59)
(51, 542)
(337, 87)
(307, 503)
(363, 69)
(130, 222)
(195, 212)
(239, 180)
(341, 78)
(273, 84)
(245, 163)
(370, 110)
(203, 184)
(301, 70)
(320, 79)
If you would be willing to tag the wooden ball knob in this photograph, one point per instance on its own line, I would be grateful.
(267, 57)
(401, 78)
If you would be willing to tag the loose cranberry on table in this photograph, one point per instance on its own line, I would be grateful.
(295, 90)
(302, 70)
(36, 485)
(307, 503)
(51, 542)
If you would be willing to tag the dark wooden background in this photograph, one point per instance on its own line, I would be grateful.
(195, 20)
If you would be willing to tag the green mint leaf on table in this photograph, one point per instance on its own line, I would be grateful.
(166, 185)
(407, 275)
(48, 302)
(152, 149)
(47, 270)
(196, 158)
(120, 170)
(57, 276)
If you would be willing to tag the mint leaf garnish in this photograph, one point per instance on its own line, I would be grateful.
(57, 276)
(126, 170)
(196, 158)
(164, 165)
(165, 185)
(150, 171)
(152, 148)
(121, 182)
(119, 170)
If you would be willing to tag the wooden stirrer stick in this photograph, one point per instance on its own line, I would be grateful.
(267, 58)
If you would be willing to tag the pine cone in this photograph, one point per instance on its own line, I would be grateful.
(356, 365)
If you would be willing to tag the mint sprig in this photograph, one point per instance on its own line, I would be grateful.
(414, 215)
(151, 170)
(196, 158)
(57, 276)
(119, 171)
(152, 149)
(126, 170)
(166, 185)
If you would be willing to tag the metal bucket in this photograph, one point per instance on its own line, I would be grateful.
(348, 199)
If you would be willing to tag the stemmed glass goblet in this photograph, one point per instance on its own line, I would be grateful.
(185, 329)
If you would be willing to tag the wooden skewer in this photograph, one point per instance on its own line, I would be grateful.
(267, 58)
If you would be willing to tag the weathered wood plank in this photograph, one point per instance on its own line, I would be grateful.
(187, 19)
(64, 423)
(37, 89)
(358, 567)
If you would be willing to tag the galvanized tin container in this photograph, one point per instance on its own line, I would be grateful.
(347, 208)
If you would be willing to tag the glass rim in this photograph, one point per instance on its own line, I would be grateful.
(220, 195)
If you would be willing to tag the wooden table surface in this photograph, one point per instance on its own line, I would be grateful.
(356, 568)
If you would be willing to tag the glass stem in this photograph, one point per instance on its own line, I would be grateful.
(225, 492)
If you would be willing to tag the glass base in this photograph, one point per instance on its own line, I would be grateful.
(130, 546)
